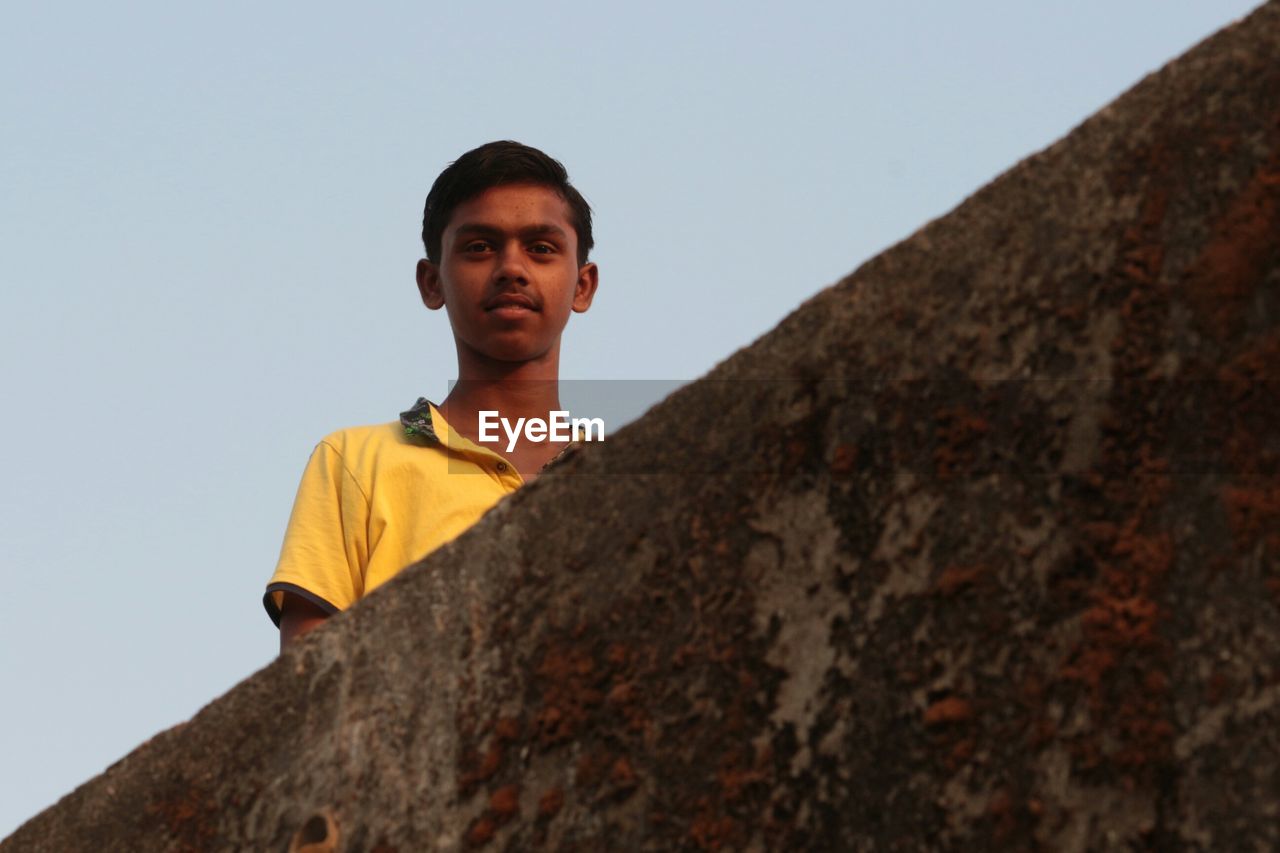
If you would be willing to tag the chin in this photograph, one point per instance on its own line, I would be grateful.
(514, 354)
(512, 348)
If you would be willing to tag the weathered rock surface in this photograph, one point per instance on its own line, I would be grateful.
(980, 547)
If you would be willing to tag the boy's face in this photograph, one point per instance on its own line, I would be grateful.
(508, 274)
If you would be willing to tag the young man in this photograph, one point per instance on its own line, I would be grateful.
(507, 239)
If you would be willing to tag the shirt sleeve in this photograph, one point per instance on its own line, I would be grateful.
(325, 549)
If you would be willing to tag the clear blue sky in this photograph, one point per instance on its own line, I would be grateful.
(209, 221)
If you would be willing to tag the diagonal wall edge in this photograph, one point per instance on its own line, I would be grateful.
(978, 547)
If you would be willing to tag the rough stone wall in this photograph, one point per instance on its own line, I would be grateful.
(979, 548)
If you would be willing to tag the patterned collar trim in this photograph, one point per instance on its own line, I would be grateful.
(565, 452)
(417, 422)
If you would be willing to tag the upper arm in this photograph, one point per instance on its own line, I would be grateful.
(321, 565)
(297, 617)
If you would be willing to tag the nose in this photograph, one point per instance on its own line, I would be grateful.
(512, 267)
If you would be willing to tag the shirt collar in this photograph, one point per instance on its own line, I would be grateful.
(417, 422)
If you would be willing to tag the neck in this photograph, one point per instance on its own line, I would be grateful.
(511, 398)
(525, 389)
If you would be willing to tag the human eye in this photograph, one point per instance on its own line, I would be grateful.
(542, 249)
(475, 247)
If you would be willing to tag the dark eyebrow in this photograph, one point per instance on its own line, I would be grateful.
(543, 230)
(539, 230)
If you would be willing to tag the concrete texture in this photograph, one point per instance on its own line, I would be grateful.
(979, 548)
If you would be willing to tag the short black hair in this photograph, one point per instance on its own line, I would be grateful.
(495, 164)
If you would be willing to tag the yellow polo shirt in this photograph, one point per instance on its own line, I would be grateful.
(376, 499)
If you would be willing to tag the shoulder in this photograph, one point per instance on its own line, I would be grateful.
(361, 446)
(354, 440)
(368, 451)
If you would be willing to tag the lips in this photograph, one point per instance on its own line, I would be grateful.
(510, 301)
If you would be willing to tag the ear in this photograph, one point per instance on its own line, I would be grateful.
(428, 275)
(585, 289)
